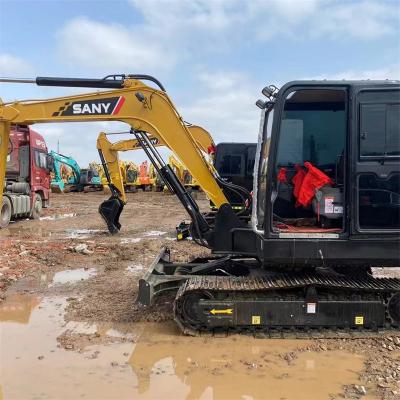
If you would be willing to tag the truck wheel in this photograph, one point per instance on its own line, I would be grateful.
(37, 207)
(5, 212)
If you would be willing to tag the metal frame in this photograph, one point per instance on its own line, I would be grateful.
(164, 275)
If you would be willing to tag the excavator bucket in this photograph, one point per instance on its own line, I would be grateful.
(110, 210)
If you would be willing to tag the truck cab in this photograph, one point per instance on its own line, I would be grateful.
(27, 187)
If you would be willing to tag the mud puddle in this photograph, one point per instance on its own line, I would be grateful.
(130, 240)
(154, 233)
(70, 276)
(154, 361)
(84, 233)
(57, 217)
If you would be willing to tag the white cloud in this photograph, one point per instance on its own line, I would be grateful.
(187, 30)
(362, 20)
(106, 47)
(14, 66)
(262, 20)
(388, 72)
(225, 106)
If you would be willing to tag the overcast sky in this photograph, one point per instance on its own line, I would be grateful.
(213, 57)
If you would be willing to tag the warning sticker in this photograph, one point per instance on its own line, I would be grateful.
(311, 308)
(338, 210)
(256, 320)
(329, 205)
(359, 321)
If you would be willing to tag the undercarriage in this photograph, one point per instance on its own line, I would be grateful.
(235, 294)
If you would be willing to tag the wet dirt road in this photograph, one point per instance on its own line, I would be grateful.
(154, 361)
(70, 328)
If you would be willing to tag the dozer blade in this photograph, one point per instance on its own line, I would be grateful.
(110, 210)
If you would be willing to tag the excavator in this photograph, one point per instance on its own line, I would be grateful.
(57, 184)
(326, 204)
(81, 179)
(108, 152)
(182, 173)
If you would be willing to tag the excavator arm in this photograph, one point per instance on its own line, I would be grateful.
(146, 109)
(109, 152)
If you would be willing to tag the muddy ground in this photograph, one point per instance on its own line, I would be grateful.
(70, 327)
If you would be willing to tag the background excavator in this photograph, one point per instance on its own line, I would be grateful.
(145, 175)
(79, 180)
(182, 173)
(326, 204)
(231, 162)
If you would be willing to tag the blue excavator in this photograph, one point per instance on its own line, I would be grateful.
(81, 177)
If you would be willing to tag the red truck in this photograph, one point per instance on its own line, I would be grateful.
(27, 186)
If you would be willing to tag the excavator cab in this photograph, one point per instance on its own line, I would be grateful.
(328, 170)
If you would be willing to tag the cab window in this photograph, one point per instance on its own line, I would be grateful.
(379, 134)
(41, 159)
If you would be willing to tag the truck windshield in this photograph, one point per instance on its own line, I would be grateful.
(260, 183)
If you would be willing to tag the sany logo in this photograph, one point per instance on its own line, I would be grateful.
(100, 108)
(108, 106)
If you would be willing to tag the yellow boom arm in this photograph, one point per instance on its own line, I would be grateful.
(135, 103)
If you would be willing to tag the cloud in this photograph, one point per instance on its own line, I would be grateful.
(99, 46)
(388, 72)
(189, 30)
(225, 106)
(231, 20)
(358, 19)
(14, 66)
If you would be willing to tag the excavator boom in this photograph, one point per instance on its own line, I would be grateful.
(142, 107)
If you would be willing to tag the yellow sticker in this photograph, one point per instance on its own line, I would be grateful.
(359, 321)
(256, 320)
(224, 311)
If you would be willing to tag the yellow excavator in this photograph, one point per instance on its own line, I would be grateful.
(109, 151)
(325, 204)
(129, 174)
(182, 173)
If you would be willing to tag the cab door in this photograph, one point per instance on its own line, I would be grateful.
(376, 155)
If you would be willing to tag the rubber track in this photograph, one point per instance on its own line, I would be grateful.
(233, 285)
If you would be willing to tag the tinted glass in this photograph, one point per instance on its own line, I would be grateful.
(379, 202)
(251, 154)
(312, 128)
(379, 133)
(372, 130)
(393, 130)
(231, 164)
